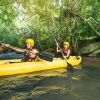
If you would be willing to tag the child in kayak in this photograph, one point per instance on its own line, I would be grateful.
(31, 52)
(65, 50)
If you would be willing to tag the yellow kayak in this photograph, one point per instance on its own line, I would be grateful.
(27, 67)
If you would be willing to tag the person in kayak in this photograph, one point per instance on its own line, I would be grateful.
(65, 49)
(31, 52)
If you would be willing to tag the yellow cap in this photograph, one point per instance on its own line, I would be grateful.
(31, 41)
(66, 43)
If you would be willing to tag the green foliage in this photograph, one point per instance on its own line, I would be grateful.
(43, 20)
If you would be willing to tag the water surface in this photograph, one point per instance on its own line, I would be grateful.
(59, 84)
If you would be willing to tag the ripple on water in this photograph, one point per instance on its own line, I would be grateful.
(59, 84)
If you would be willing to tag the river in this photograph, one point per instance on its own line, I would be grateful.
(58, 84)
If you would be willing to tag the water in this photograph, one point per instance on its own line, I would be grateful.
(59, 84)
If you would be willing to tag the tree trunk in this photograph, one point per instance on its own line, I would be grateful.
(16, 49)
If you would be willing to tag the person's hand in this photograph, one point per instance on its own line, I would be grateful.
(67, 57)
(57, 44)
(64, 57)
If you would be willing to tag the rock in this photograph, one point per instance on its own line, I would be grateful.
(95, 53)
(88, 49)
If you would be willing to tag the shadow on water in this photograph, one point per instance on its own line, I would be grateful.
(59, 84)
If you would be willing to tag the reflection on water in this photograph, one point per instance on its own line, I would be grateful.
(59, 84)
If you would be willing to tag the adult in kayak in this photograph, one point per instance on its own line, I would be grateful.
(65, 50)
(31, 52)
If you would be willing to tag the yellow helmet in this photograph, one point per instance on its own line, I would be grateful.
(31, 41)
(66, 43)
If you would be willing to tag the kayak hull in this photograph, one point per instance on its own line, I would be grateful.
(27, 67)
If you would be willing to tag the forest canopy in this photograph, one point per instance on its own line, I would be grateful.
(44, 20)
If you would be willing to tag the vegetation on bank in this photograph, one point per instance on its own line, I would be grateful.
(70, 20)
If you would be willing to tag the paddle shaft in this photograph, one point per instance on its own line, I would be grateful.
(60, 49)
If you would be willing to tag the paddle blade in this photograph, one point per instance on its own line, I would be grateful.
(70, 67)
(46, 56)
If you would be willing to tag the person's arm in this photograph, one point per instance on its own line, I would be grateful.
(68, 54)
(57, 49)
(36, 51)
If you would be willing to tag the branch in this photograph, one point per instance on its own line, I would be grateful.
(84, 19)
(13, 48)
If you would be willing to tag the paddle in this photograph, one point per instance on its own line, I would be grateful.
(70, 67)
(46, 56)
